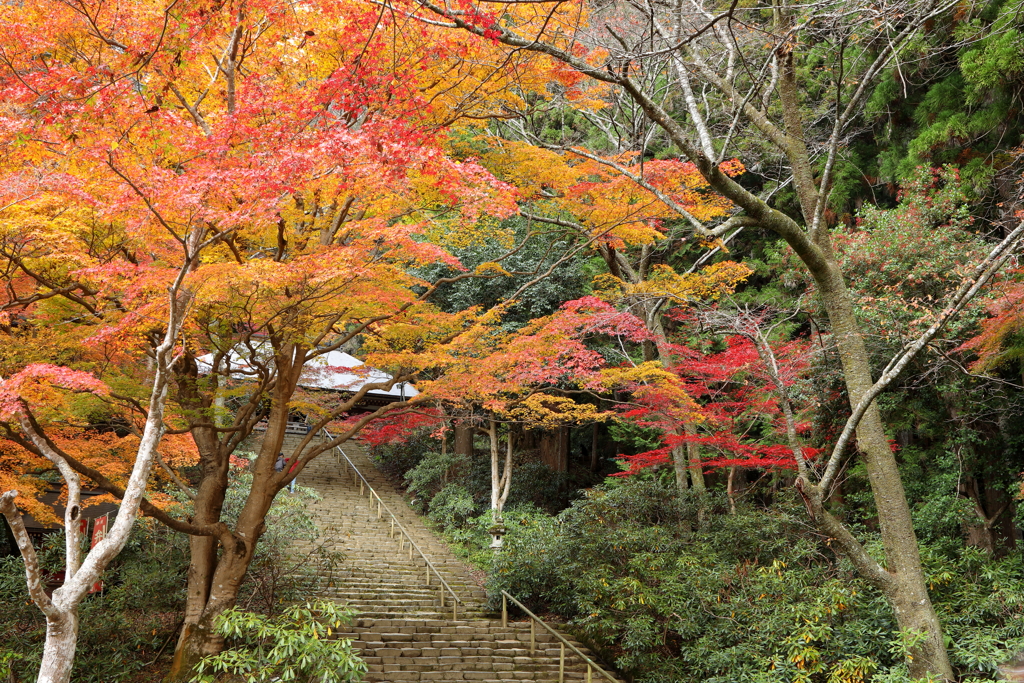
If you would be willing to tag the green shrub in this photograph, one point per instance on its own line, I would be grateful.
(432, 473)
(395, 459)
(675, 596)
(451, 507)
(295, 646)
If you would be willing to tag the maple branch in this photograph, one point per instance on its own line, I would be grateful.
(81, 9)
(967, 373)
(515, 40)
(971, 285)
(73, 509)
(869, 568)
(436, 284)
(282, 243)
(865, 81)
(740, 221)
(33, 574)
(355, 428)
(747, 324)
(67, 291)
(101, 481)
(697, 226)
(109, 161)
(193, 110)
(19, 201)
(565, 257)
(182, 486)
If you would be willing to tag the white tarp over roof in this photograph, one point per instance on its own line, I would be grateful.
(334, 371)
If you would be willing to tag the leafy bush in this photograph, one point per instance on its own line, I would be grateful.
(294, 646)
(395, 459)
(432, 473)
(451, 507)
(671, 595)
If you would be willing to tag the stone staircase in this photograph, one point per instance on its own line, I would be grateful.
(402, 630)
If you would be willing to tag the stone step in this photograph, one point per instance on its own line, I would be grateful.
(401, 630)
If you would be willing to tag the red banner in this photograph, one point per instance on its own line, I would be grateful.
(99, 532)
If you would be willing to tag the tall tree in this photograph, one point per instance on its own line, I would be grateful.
(307, 142)
(756, 65)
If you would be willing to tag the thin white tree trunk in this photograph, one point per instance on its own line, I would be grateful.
(501, 480)
(61, 610)
(59, 650)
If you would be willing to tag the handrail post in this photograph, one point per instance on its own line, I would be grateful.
(428, 576)
(360, 486)
(410, 548)
(533, 637)
(441, 591)
(379, 515)
(392, 532)
(455, 611)
(563, 643)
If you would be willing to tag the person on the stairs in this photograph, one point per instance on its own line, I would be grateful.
(279, 467)
(291, 470)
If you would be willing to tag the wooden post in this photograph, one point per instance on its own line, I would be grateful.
(533, 637)
(410, 548)
(392, 533)
(561, 663)
(428, 575)
(441, 590)
(590, 673)
(504, 611)
(379, 515)
(455, 610)
(360, 486)
(401, 541)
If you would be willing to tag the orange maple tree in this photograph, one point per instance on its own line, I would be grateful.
(298, 156)
(298, 146)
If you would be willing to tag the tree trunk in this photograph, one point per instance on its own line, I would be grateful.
(696, 467)
(213, 581)
(59, 651)
(199, 639)
(207, 506)
(501, 479)
(730, 490)
(554, 449)
(685, 458)
(908, 593)
(680, 464)
(989, 508)
(463, 439)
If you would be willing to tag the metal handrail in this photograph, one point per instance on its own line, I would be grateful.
(591, 664)
(404, 534)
